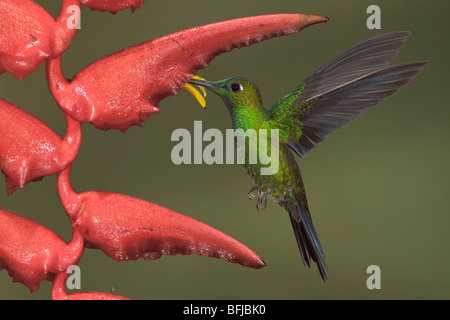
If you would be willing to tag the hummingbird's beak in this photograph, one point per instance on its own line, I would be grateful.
(197, 95)
(202, 83)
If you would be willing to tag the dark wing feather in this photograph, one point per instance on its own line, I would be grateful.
(363, 58)
(339, 106)
(311, 102)
(367, 56)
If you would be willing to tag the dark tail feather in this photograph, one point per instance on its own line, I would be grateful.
(307, 239)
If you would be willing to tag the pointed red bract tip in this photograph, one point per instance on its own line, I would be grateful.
(123, 89)
(307, 20)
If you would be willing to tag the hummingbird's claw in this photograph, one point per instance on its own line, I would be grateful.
(261, 203)
(251, 193)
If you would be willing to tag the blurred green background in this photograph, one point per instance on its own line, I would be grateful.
(378, 189)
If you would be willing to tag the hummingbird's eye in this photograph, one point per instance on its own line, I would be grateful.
(236, 87)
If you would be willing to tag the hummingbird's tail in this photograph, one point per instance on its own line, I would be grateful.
(305, 234)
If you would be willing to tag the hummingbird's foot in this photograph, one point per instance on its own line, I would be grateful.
(251, 194)
(261, 203)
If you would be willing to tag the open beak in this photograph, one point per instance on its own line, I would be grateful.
(202, 84)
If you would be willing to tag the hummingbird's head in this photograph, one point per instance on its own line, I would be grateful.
(235, 91)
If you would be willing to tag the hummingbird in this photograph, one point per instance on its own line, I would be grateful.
(330, 98)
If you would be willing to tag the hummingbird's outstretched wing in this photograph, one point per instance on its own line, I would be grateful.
(336, 108)
(341, 91)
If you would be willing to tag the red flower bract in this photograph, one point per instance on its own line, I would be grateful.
(124, 89)
(30, 150)
(32, 253)
(112, 5)
(59, 291)
(127, 228)
(115, 92)
(29, 35)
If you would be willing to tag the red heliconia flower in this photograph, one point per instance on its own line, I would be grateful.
(59, 291)
(29, 35)
(32, 253)
(125, 88)
(127, 228)
(30, 150)
(112, 5)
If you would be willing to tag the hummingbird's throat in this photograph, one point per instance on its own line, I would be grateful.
(199, 96)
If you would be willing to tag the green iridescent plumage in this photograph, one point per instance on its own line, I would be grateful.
(333, 96)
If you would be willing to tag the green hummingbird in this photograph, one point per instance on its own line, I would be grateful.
(330, 98)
